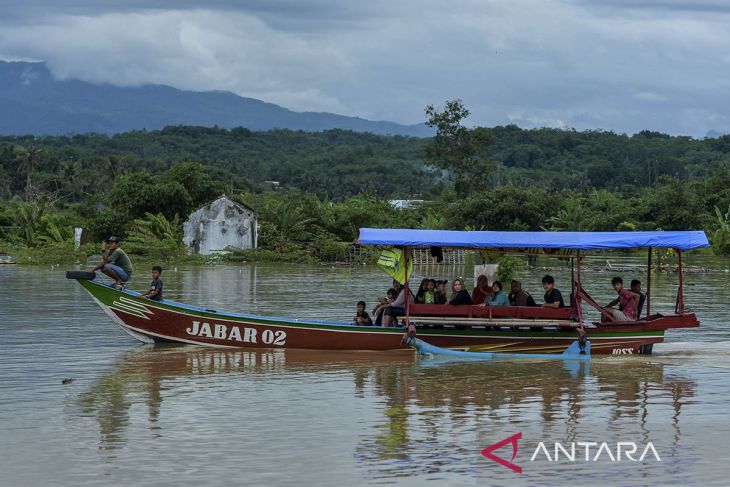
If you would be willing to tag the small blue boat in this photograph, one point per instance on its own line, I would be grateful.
(576, 351)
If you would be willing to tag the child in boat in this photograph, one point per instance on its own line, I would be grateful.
(379, 311)
(439, 296)
(362, 318)
(459, 296)
(429, 297)
(397, 307)
(636, 288)
(628, 301)
(553, 297)
(155, 291)
(421, 291)
(499, 298)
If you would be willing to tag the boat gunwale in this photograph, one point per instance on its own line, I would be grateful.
(180, 308)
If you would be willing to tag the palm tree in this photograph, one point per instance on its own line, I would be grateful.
(721, 236)
(288, 219)
(569, 218)
(27, 156)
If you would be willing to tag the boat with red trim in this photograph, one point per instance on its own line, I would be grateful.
(511, 329)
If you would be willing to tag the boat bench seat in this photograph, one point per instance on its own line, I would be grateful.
(492, 312)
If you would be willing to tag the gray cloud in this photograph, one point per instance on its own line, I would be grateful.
(624, 65)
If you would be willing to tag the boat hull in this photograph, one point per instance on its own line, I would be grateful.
(150, 322)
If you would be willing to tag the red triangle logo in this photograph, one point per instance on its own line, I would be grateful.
(487, 452)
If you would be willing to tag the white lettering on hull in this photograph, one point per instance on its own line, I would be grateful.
(233, 333)
(623, 351)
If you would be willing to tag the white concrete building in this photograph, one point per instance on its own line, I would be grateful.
(220, 224)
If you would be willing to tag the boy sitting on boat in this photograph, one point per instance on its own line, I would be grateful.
(439, 296)
(627, 301)
(362, 318)
(553, 297)
(155, 291)
(636, 288)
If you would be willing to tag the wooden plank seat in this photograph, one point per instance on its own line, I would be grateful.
(494, 316)
(495, 322)
(492, 312)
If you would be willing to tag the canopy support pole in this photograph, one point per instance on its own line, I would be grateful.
(406, 254)
(577, 293)
(648, 283)
(680, 291)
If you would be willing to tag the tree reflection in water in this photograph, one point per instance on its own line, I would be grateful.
(433, 414)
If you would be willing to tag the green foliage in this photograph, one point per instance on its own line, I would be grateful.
(289, 221)
(53, 253)
(509, 267)
(676, 206)
(459, 150)
(721, 235)
(156, 237)
(137, 193)
(345, 219)
(33, 225)
(335, 182)
(290, 253)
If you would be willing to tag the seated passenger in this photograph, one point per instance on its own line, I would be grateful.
(520, 297)
(482, 291)
(421, 291)
(384, 302)
(429, 297)
(500, 298)
(553, 297)
(628, 301)
(439, 297)
(636, 288)
(397, 307)
(362, 318)
(459, 295)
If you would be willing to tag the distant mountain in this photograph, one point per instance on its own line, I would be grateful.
(33, 102)
(713, 134)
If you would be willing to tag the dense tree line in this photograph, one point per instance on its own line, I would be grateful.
(141, 184)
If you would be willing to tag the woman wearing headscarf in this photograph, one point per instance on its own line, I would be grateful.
(459, 295)
(520, 297)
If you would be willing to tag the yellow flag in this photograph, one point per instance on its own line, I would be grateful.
(392, 261)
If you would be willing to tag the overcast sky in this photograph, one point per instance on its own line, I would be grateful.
(623, 65)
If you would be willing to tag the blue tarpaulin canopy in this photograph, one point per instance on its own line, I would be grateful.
(533, 240)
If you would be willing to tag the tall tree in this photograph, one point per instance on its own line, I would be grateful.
(27, 157)
(459, 150)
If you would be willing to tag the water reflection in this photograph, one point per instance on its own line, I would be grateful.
(429, 415)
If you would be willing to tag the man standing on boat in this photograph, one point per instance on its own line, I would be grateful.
(116, 263)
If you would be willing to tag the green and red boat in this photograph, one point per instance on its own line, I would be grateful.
(512, 329)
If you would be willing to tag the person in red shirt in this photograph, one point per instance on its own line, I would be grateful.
(627, 300)
(482, 290)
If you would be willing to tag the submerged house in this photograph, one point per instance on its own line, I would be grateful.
(220, 224)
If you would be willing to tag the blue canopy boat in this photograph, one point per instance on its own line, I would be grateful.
(490, 329)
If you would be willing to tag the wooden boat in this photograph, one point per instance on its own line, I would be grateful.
(509, 329)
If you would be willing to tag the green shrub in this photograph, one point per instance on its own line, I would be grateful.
(290, 253)
(54, 253)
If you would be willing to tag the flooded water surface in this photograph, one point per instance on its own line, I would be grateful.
(139, 415)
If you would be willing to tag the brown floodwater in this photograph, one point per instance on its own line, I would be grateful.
(180, 415)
